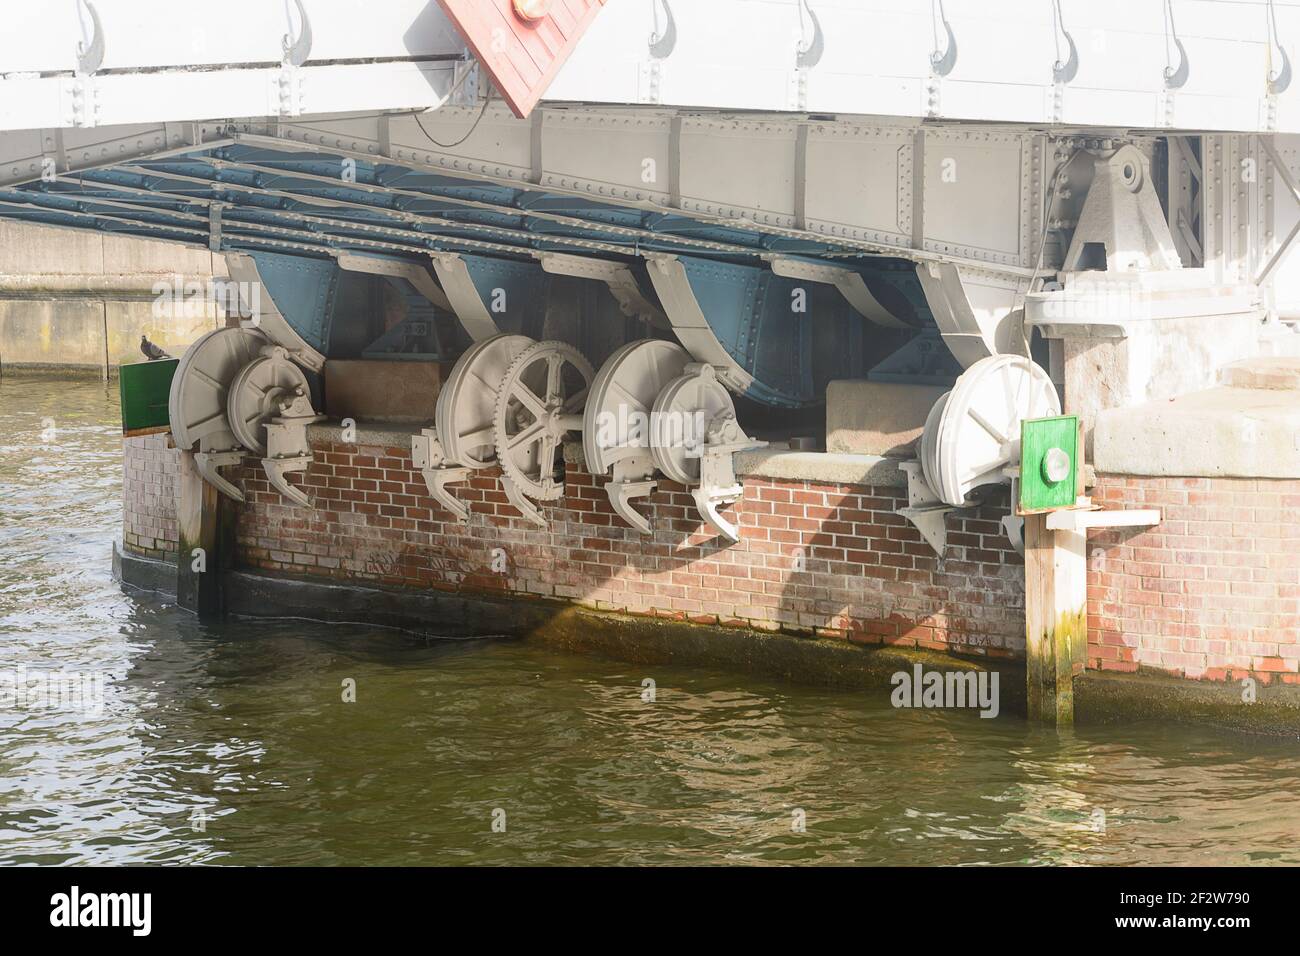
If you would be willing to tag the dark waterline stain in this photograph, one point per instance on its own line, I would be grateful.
(232, 743)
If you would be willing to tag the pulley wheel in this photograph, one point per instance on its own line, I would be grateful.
(540, 400)
(256, 393)
(979, 431)
(929, 441)
(467, 402)
(196, 405)
(616, 423)
(680, 420)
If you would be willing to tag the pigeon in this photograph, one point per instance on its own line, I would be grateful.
(151, 351)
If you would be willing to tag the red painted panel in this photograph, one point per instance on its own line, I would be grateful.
(522, 57)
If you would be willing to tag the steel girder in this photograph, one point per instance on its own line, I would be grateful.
(492, 243)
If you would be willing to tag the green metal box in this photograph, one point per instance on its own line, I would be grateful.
(145, 387)
(1051, 463)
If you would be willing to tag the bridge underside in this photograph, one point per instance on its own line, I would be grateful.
(780, 310)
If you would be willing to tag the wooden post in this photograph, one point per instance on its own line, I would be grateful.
(1056, 617)
(199, 523)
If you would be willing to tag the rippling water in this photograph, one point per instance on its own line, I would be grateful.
(231, 743)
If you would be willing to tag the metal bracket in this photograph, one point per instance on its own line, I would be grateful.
(942, 61)
(417, 275)
(808, 54)
(975, 315)
(663, 42)
(630, 481)
(1122, 216)
(617, 277)
(513, 290)
(289, 84)
(848, 280)
(208, 463)
(431, 461)
(524, 504)
(718, 483)
(1175, 77)
(924, 509)
(1063, 73)
(90, 56)
(287, 448)
(296, 285)
(1080, 519)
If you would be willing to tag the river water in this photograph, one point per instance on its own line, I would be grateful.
(232, 744)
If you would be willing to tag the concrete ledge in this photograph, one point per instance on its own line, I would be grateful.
(383, 434)
(1111, 698)
(1222, 432)
(825, 467)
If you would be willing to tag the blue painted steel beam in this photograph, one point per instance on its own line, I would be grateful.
(771, 327)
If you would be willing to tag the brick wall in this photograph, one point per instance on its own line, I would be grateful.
(149, 496)
(1212, 592)
(827, 559)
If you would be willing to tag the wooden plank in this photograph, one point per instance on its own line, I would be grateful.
(198, 551)
(1056, 618)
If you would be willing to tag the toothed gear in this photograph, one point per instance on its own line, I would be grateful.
(540, 400)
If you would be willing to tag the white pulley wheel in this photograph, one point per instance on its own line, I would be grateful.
(616, 423)
(929, 441)
(196, 405)
(979, 432)
(540, 400)
(468, 400)
(256, 393)
(680, 420)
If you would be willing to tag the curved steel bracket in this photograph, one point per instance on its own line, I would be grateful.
(91, 56)
(1278, 82)
(809, 54)
(943, 61)
(1176, 77)
(751, 324)
(303, 288)
(617, 277)
(630, 481)
(297, 49)
(287, 448)
(848, 280)
(1065, 72)
(430, 460)
(490, 295)
(522, 503)
(662, 44)
(718, 483)
(209, 463)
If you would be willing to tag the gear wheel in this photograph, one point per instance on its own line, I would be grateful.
(540, 400)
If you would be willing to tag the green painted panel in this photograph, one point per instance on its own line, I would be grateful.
(1048, 481)
(145, 387)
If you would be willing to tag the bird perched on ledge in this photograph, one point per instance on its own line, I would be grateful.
(151, 351)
